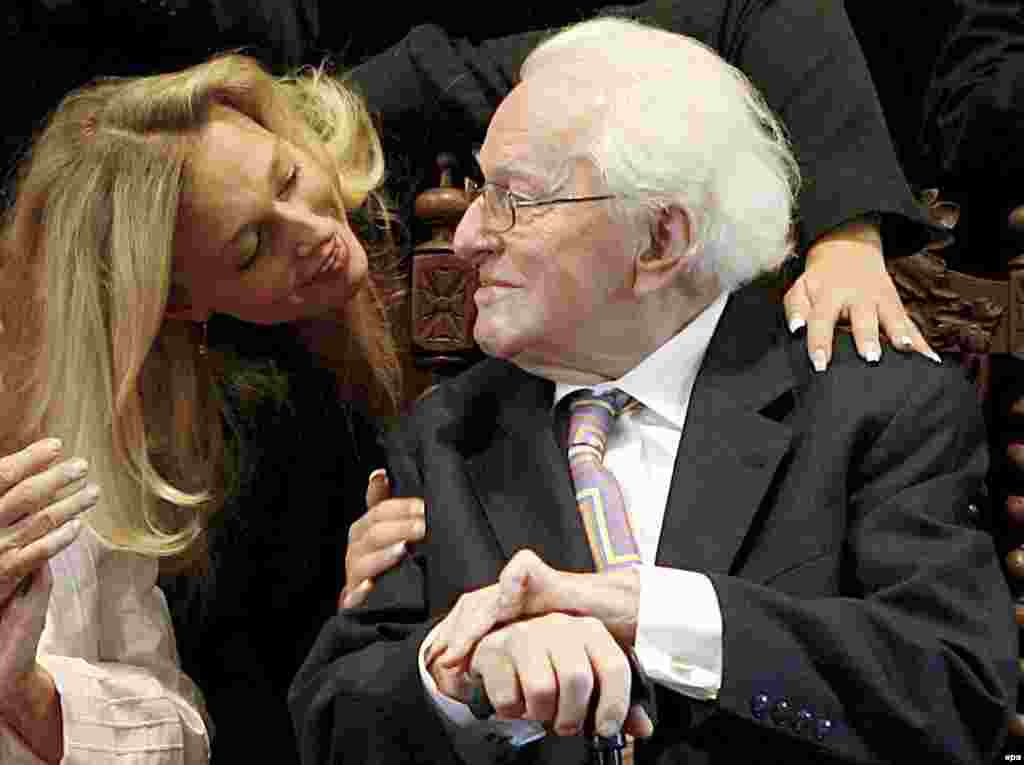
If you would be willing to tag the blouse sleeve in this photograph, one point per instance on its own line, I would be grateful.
(109, 646)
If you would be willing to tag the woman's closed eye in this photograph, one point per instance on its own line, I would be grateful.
(252, 242)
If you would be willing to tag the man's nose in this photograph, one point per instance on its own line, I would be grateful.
(473, 241)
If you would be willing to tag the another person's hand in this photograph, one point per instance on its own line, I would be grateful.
(845, 278)
(556, 670)
(379, 539)
(41, 498)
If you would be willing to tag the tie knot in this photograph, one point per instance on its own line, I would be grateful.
(590, 420)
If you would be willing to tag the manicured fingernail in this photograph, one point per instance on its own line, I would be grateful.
(76, 469)
(818, 360)
(872, 353)
(396, 550)
(904, 342)
(797, 323)
(379, 474)
(933, 356)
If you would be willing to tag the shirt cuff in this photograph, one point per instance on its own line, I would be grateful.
(475, 740)
(680, 647)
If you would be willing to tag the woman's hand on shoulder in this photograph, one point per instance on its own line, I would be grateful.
(379, 539)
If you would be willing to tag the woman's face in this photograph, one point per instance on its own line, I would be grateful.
(259, 236)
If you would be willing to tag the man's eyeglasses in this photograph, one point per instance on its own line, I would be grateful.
(501, 204)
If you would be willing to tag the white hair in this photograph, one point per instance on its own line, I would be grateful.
(668, 123)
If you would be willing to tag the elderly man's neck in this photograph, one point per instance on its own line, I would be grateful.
(625, 342)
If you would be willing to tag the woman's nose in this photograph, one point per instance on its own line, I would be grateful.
(311, 231)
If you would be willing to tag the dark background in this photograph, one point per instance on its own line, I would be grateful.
(50, 46)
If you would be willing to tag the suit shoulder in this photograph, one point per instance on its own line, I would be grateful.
(897, 378)
(454, 398)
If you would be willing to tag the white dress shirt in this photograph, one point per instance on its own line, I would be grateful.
(679, 624)
(109, 645)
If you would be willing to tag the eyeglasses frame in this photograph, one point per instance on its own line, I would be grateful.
(477, 191)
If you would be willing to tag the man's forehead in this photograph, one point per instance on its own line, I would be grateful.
(535, 127)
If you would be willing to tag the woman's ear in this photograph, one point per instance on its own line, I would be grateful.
(669, 252)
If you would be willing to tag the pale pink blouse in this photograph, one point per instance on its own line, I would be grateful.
(109, 645)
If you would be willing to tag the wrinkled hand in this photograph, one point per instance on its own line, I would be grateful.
(379, 539)
(555, 669)
(845, 278)
(529, 587)
(40, 501)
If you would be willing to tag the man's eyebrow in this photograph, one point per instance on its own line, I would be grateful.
(273, 173)
(535, 172)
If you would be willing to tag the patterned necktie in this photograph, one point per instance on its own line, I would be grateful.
(598, 495)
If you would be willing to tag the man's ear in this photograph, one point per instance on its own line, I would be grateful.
(180, 306)
(670, 250)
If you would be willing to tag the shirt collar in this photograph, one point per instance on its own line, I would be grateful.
(662, 382)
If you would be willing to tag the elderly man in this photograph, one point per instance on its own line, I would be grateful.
(650, 464)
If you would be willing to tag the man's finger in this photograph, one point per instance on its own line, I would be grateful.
(864, 323)
(34, 458)
(538, 685)
(576, 683)
(614, 677)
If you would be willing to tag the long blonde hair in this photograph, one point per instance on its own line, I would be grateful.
(86, 254)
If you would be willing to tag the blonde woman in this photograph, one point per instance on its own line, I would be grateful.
(145, 207)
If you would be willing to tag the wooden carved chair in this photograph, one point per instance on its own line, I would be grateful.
(980, 319)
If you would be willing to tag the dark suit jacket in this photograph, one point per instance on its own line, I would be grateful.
(830, 511)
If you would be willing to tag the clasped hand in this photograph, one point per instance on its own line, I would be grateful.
(547, 645)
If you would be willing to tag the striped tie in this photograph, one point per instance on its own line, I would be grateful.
(598, 495)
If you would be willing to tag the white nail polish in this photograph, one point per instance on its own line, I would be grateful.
(818, 360)
(934, 356)
(796, 324)
(396, 550)
(905, 342)
(872, 354)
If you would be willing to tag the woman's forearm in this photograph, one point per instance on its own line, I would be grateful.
(33, 712)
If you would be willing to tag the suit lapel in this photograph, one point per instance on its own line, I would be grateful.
(729, 450)
(521, 478)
